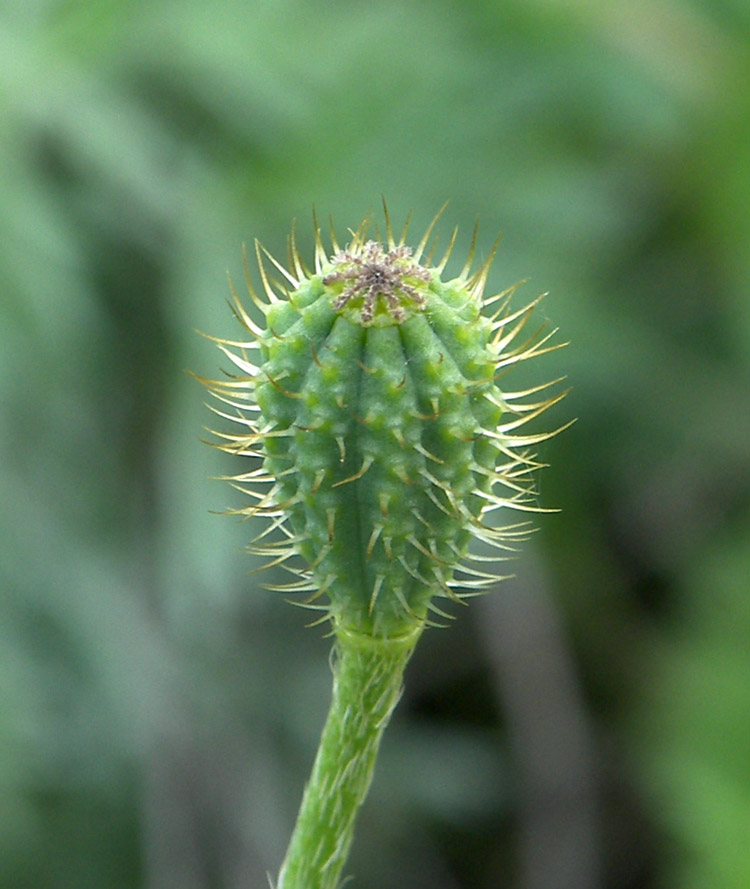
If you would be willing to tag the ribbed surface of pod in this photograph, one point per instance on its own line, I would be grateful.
(385, 446)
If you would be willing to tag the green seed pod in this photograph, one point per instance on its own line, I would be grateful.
(381, 448)
(382, 444)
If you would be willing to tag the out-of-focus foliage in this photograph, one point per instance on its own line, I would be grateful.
(158, 709)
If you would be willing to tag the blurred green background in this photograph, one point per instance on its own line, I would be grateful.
(587, 725)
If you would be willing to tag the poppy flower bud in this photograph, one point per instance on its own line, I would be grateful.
(381, 441)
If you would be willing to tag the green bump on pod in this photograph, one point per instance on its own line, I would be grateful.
(381, 442)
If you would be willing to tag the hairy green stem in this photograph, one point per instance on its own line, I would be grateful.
(367, 685)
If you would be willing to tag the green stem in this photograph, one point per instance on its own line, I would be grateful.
(367, 684)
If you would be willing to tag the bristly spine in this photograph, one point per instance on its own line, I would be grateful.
(381, 444)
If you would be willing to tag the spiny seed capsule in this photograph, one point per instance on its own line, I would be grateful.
(381, 442)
